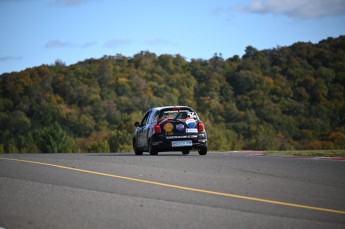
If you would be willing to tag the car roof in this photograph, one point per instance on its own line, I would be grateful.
(170, 107)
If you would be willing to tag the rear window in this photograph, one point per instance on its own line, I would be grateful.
(174, 113)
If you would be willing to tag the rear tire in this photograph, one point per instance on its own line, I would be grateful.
(202, 150)
(152, 150)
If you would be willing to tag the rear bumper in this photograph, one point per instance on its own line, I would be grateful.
(164, 143)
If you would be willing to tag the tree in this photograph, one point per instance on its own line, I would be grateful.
(250, 51)
(54, 139)
(263, 138)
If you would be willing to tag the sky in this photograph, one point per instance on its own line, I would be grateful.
(36, 32)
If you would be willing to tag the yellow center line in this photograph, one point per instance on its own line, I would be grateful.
(183, 187)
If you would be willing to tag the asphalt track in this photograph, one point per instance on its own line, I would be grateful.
(219, 190)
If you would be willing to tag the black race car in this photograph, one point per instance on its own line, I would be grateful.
(170, 128)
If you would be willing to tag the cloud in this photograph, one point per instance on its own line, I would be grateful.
(301, 9)
(9, 58)
(116, 43)
(66, 44)
(57, 44)
(159, 42)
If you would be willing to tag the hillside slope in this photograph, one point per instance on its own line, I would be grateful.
(277, 99)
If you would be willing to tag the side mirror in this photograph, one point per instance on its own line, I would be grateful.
(136, 124)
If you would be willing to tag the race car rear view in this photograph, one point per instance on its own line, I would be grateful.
(170, 128)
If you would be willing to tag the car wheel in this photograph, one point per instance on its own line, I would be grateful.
(152, 150)
(185, 152)
(137, 150)
(202, 150)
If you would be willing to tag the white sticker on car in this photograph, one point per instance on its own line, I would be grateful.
(180, 137)
(191, 130)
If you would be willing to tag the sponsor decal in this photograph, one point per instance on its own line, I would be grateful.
(190, 122)
(191, 130)
(192, 115)
(180, 127)
(168, 127)
(176, 111)
(181, 137)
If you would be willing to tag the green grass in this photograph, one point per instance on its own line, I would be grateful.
(309, 153)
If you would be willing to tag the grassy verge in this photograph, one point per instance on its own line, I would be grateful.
(309, 153)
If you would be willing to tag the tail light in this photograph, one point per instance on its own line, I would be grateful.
(201, 126)
(157, 129)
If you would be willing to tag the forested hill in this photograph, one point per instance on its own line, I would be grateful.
(282, 98)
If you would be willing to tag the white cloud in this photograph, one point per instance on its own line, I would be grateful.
(66, 44)
(57, 44)
(302, 9)
(9, 58)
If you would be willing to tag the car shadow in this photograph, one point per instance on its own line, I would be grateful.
(162, 154)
